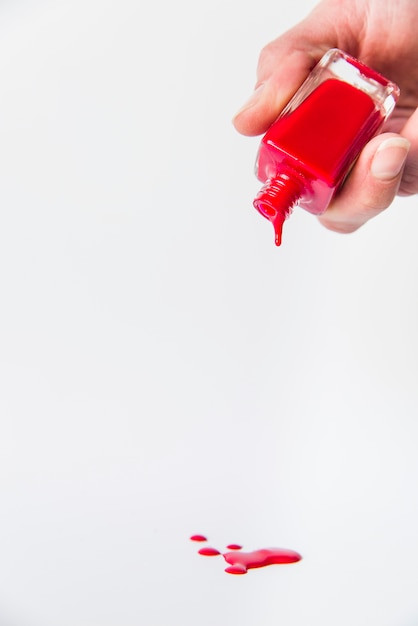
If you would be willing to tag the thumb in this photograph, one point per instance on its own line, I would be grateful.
(372, 185)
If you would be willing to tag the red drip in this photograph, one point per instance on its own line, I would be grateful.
(209, 552)
(275, 201)
(234, 546)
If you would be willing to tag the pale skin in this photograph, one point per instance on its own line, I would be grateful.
(382, 34)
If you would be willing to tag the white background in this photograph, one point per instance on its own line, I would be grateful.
(164, 369)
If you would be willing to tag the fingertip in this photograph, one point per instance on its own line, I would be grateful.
(245, 119)
(277, 84)
(252, 100)
(389, 158)
(256, 115)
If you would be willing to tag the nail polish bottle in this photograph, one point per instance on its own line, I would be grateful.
(307, 152)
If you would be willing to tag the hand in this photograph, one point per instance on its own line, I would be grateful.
(382, 34)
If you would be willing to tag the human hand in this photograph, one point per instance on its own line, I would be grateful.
(382, 34)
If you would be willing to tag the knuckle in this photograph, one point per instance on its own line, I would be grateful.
(377, 201)
(266, 52)
(267, 56)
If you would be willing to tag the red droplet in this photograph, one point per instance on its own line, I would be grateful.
(258, 558)
(236, 569)
(209, 551)
(234, 546)
(198, 538)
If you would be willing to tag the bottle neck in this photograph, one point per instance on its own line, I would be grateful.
(276, 199)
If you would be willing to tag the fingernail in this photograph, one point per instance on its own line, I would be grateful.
(251, 101)
(390, 158)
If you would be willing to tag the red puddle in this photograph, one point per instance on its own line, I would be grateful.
(240, 562)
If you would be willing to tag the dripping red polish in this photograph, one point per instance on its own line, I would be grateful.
(308, 151)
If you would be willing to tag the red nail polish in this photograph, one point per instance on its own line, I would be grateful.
(307, 152)
(240, 562)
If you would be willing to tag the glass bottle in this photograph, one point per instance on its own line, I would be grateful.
(308, 151)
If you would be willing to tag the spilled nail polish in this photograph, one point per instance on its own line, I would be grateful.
(240, 562)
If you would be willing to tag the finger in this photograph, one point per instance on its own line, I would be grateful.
(371, 186)
(409, 182)
(286, 62)
(281, 71)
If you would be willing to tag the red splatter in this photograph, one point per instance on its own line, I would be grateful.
(240, 562)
